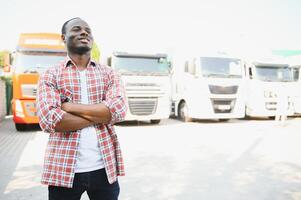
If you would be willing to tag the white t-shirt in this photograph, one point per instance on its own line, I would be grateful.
(89, 157)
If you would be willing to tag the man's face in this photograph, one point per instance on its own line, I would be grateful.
(78, 37)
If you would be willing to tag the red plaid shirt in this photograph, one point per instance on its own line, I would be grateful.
(62, 83)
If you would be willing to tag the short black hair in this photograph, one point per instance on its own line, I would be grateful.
(65, 24)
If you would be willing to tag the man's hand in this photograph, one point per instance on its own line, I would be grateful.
(66, 106)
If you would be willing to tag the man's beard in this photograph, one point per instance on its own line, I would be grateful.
(80, 50)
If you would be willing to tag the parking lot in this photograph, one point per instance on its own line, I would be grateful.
(240, 159)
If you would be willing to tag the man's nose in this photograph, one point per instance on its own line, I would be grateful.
(84, 33)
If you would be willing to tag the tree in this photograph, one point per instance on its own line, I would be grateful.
(4, 58)
(95, 54)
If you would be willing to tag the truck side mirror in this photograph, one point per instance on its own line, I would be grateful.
(250, 73)
(109, 61)
(195, 69)
(186, 68)
(170, 65)
(171, 68)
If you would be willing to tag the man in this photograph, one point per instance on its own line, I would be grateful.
(78, 102)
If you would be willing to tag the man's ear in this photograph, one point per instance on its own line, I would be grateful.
(63, 38)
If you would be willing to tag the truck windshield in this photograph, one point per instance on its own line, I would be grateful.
(221, 67)
(37, 62)
(134, 65)
(274, 74)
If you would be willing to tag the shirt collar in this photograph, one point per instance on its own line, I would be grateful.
(68, 62)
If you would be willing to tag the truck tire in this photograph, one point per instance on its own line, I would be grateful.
(183, 112)
(21, 127)
(155, 121)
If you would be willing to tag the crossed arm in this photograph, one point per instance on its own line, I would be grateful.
(79, 116)
(56, 116)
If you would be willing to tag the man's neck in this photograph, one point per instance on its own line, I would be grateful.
(81, 61)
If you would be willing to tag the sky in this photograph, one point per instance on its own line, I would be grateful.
(163, 26)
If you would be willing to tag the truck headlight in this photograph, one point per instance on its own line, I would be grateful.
(19, 108)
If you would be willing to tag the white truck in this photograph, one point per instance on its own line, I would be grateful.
(268, 80)
(211, 87)
(147, 83)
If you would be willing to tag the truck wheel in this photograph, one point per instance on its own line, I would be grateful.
(183, 112)
(21, 127)
(155, 121)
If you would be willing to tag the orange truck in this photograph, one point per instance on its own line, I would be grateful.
(34, 54)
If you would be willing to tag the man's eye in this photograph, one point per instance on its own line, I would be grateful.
(76, 29)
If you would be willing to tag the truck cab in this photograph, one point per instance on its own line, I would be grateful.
(147, 83)
(267, 81)
(34, 54)
(211, 87)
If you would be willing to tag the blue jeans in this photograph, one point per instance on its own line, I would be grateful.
(95, 183)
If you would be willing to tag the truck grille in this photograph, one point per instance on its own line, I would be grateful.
(216, 89)
(223, 105)
(142, 106)
(149, 88)
(29, 90)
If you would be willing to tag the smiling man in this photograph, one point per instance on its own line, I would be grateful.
(78, 102)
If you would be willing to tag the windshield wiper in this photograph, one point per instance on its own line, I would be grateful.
(234, 76)
(267, 80)
(157, 73)
(30, 71)
(215, 75)
(33, 70)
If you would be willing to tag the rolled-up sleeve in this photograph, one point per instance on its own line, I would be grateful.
(48, 102)
(115, 98)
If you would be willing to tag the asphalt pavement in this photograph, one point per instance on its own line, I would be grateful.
(235, 160)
